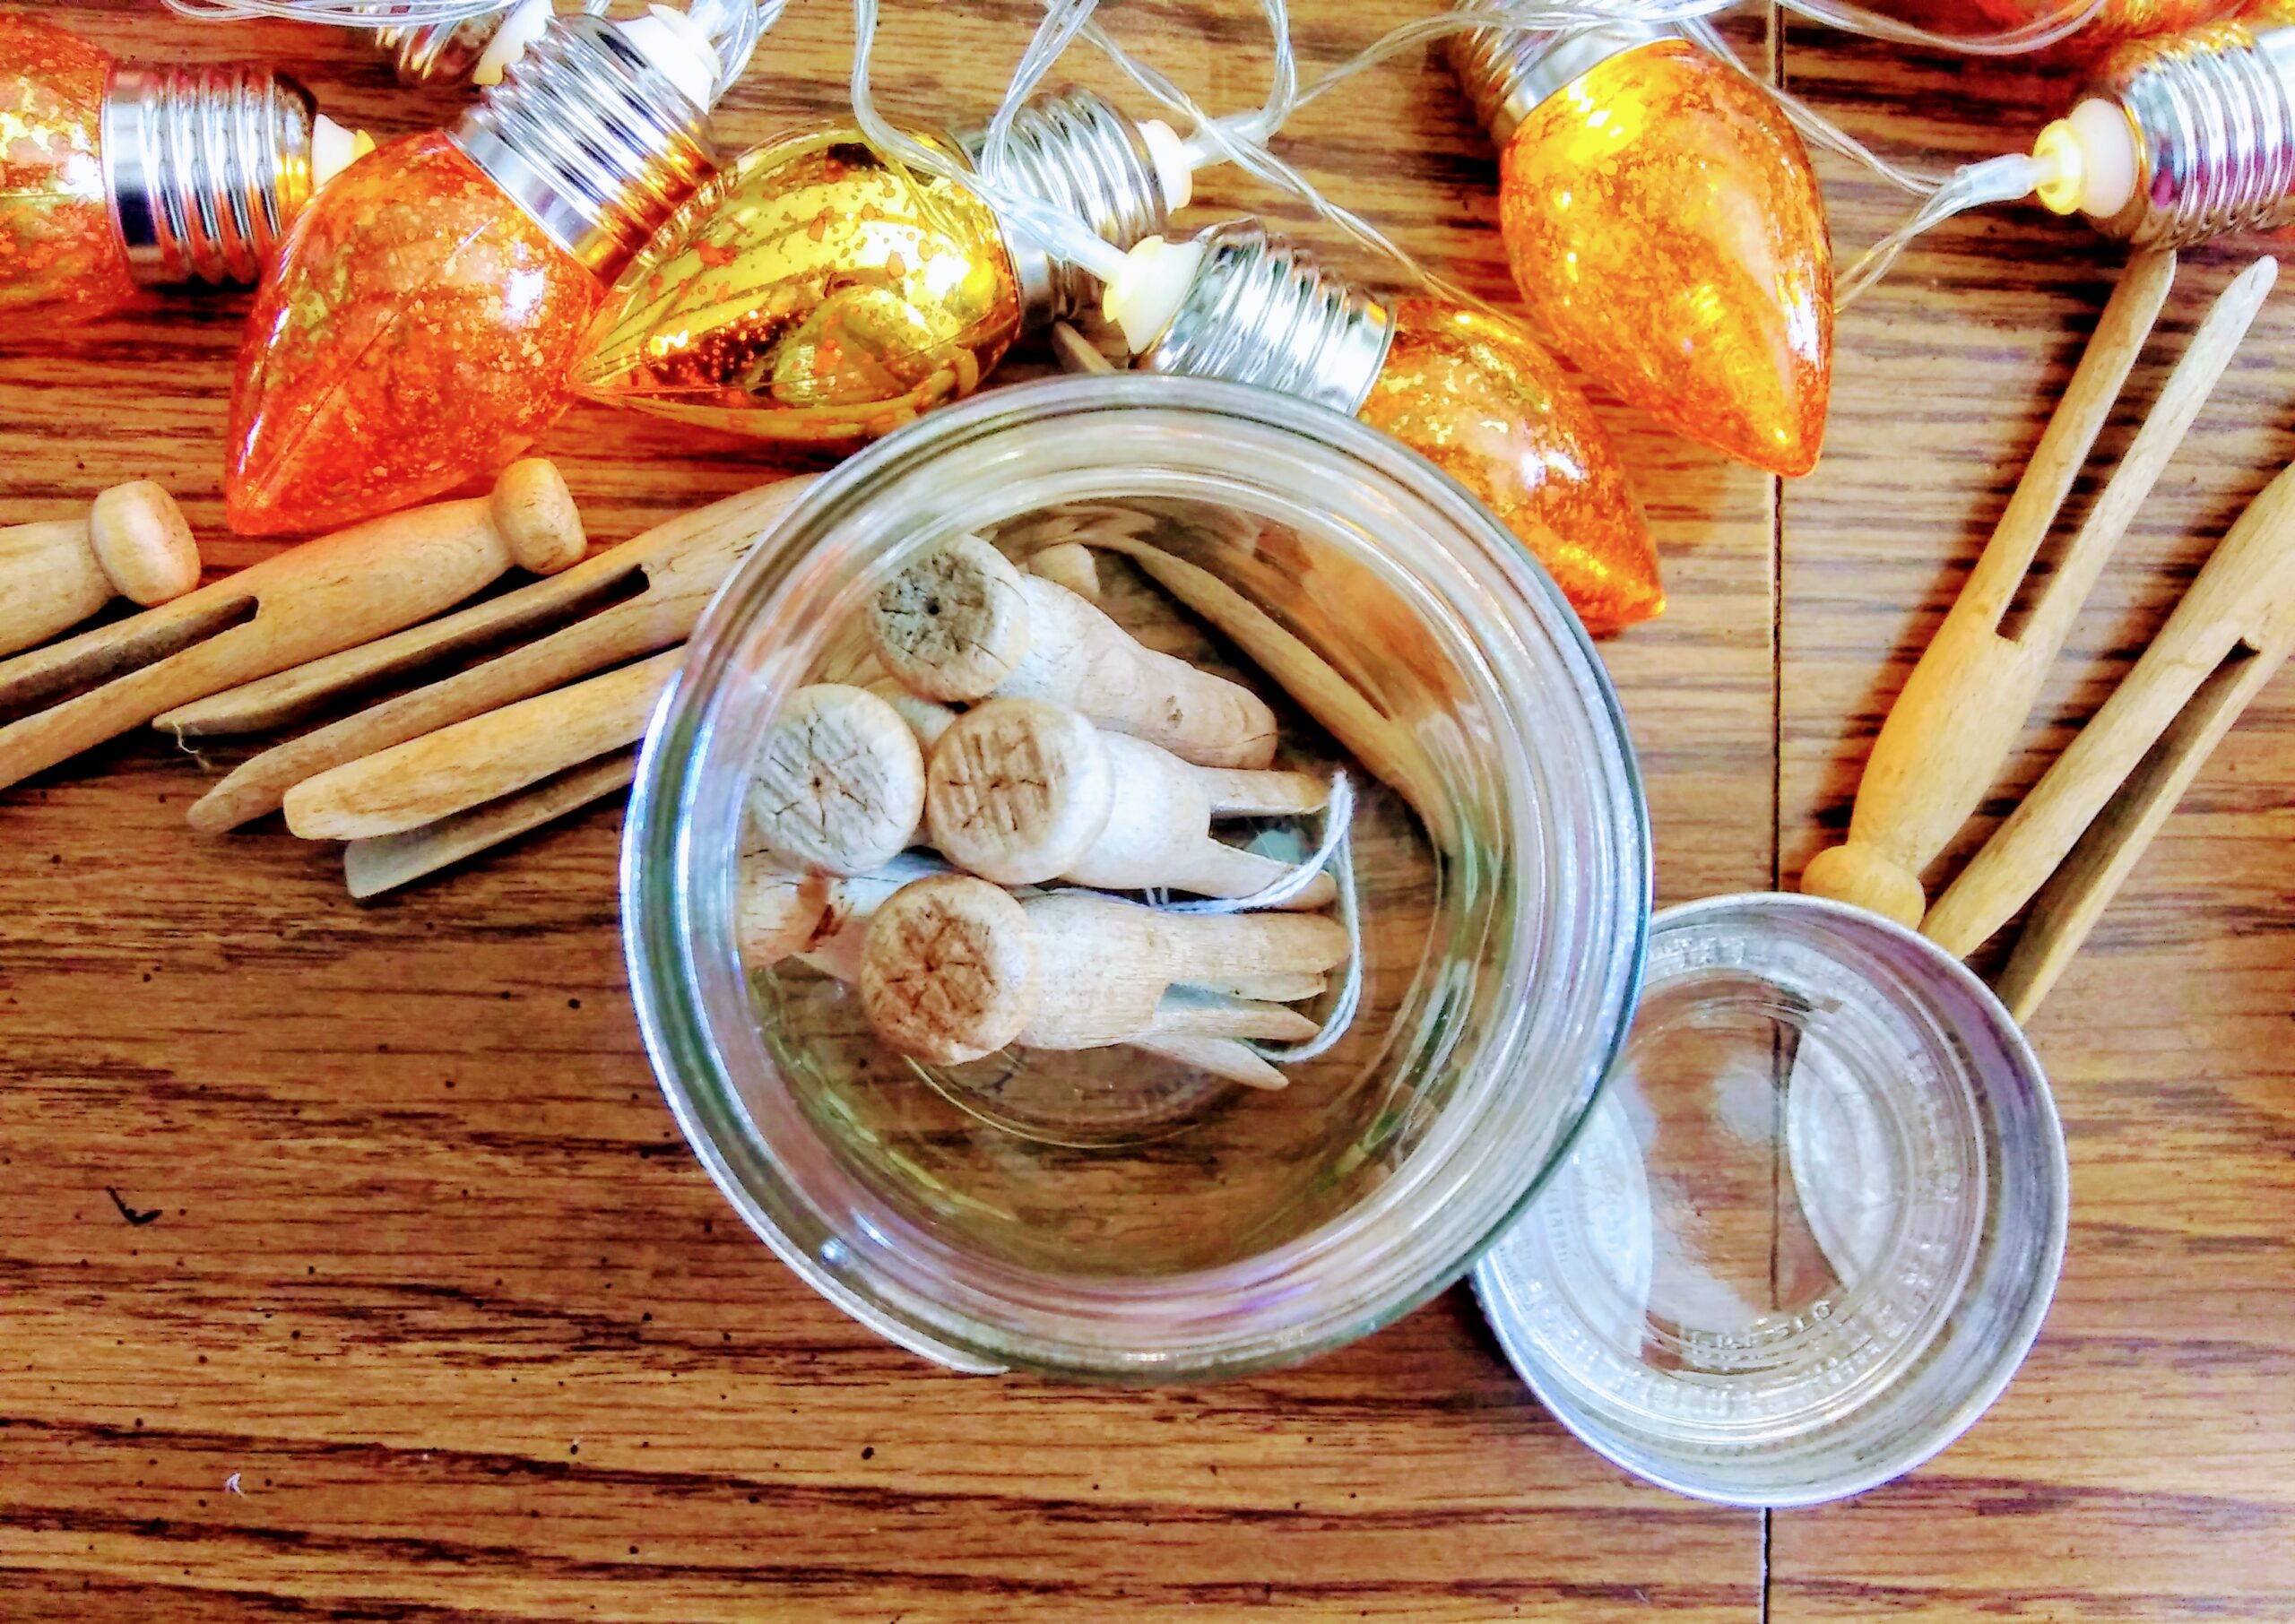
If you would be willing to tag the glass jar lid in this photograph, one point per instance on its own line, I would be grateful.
(1812, 1225)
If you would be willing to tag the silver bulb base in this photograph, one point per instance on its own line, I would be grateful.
(1260, 311)
(2213, 113)
(589, 140)
(1507, 72)
(1076, 151)
(205, 167)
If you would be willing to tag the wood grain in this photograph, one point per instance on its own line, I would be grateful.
(432, 1272)
(2137, 1468)
(423, 1262)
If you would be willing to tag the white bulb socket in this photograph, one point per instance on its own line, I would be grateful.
(2095, 159)
(1174, 166)
(678, 48)
(2108, 140)
(1143, 297)
(334, 149)
(520, 29)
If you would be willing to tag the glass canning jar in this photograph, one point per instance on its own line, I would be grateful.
(1103, 1212)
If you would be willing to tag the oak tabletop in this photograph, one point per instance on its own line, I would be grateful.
(355, 1268)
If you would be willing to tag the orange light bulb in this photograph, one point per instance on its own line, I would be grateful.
(1481, 399)
(416, 331)
(1665, 230)
(1472, 392)
(58, 248)
(420, 324)
(205, 166)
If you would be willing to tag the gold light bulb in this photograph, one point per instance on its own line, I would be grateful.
(810, 292)
(816, 291)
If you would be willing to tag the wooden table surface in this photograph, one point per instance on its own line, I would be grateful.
(355, 1268)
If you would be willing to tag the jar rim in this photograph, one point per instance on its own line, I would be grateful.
(1276, 1306)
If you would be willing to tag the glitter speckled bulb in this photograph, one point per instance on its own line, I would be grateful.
(419, 325)
(1475, 394)
(815, 292)
(112, 177)
(1665, 230)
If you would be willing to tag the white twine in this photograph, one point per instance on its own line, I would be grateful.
(1338, 817)
(1350, 986)
(1336, 853)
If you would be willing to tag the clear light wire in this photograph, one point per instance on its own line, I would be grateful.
(1814, 125)
(734, 26)
(1238, 139)
(2002, 179)
(344, 14)
(1058, 231)
(1241, 138)
(1235, 140)
(2036, 34)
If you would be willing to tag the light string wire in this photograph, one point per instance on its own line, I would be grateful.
(1057, 230)
(2003, 179)
(1237, 139)
(343, 13)
(1240, 139)
(734, 26)
(2037, 33)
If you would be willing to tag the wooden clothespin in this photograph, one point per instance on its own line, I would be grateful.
(2076, 835)
(964, 623)
(482, 759)
(1022, 791)
(132, 543)
(954, 968)
(630, 601)
(1969, 695)
(309, 600)
(384, 863)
